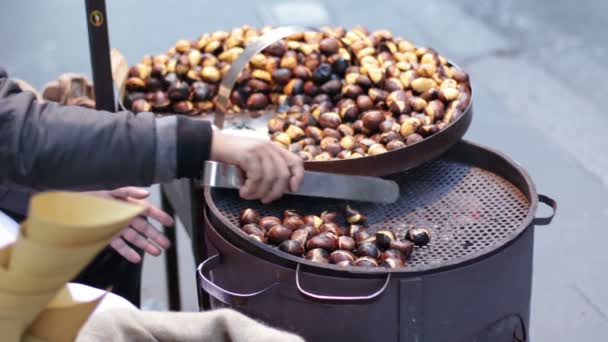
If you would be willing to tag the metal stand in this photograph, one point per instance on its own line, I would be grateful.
(179, 198)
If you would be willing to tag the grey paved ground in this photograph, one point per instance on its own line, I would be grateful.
(539, 87)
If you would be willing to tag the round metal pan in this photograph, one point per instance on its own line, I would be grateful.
(255, 124)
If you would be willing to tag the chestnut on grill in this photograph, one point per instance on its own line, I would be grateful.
(368, 249)
(384, 238)
(328, 216)
(293, 222)
(391, 253)
(346, 243)
(403, 246)
(318, 255)
(268, 222)
(252, 228)
(247, 216)
(290, 212)
(393, 263)
(362, 236)
(332, 227)
(300, 235)
(313, 220)
(292, 247)
(341, 255)
(258, 238)
(419, 236)
(366, 262)
(329, 242)
(312, 230)
(353, 229)
(354, 216)
(278, 234)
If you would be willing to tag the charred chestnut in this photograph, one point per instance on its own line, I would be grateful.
(322, 73)
(278, 234)
(419, 236)
(341, 255)
(178, 91)
(292, 247)
(353, 216)
(384, 238)
(366, 262)
(268, 222)
(346, 243)
(368, 249)
(248, 215)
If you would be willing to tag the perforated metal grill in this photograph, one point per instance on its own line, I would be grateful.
(468, 210)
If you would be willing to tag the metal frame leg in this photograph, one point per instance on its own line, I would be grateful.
(171, 264)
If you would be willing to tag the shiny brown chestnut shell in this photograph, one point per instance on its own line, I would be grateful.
(247, 216)
(366, 262)
(292, 247)
(419, 236)
(329, 242)
(360, 236)
(341, 255)
(353, 216)
(353, 229)
(313, 220)
(391, 253)
(318, 255)
(278, 234)
(293, 222)
(253, 228)
(331, 227)
(258, 238)
(268, 222)
(368, 249)
(328, 216)
(384, 238)
(346, 243)
(405, 247)
(393, 263)
(290, 212)
(300, 235)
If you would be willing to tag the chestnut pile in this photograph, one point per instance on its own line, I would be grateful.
(322, 239)
(338, 93)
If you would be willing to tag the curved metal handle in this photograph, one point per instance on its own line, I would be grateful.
(228, 81)
(543, 221)
(348, 299)
(225, 296)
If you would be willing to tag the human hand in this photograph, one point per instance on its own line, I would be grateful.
(140, 232)
(270, 170)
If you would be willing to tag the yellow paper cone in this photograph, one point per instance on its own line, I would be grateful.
(39, 259)
(71, 219)
(64, 316)
(12, 329)
(23, 283)
(22, 305)
(5, 254)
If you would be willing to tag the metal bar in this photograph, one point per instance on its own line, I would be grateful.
(199, 248)
(171, 265)
(99, 48)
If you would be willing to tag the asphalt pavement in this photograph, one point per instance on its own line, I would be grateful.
(539, 86)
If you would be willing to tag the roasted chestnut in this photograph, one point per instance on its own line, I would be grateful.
(330, 120)
(318, 255)
(292, 247)
(372, 119)
(293, 222)
(391, 253)
(419, 236)
(258, 238)
(413, 138)
(341, 255)
(278, 234)
(329, 242)
(322, 73)
(393, 263)
(395, 144)
(353, 229)
(366, 262)
(313, 220)
(268, 222)
(329, 46)
(247, 216)
(384, 238)
(331, 227)
(300, 235)
(290, 212)
(328, 216)
(178, 91)
(403, 246)
(368, 249)
(353, 216)
(253, 228)
(346, 243)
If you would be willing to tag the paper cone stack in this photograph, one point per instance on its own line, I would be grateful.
(63, 233)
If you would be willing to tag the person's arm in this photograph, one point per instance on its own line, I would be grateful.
(47, 145)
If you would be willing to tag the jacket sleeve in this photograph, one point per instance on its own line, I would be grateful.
(47, 145)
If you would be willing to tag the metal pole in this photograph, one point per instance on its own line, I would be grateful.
(99, 47)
